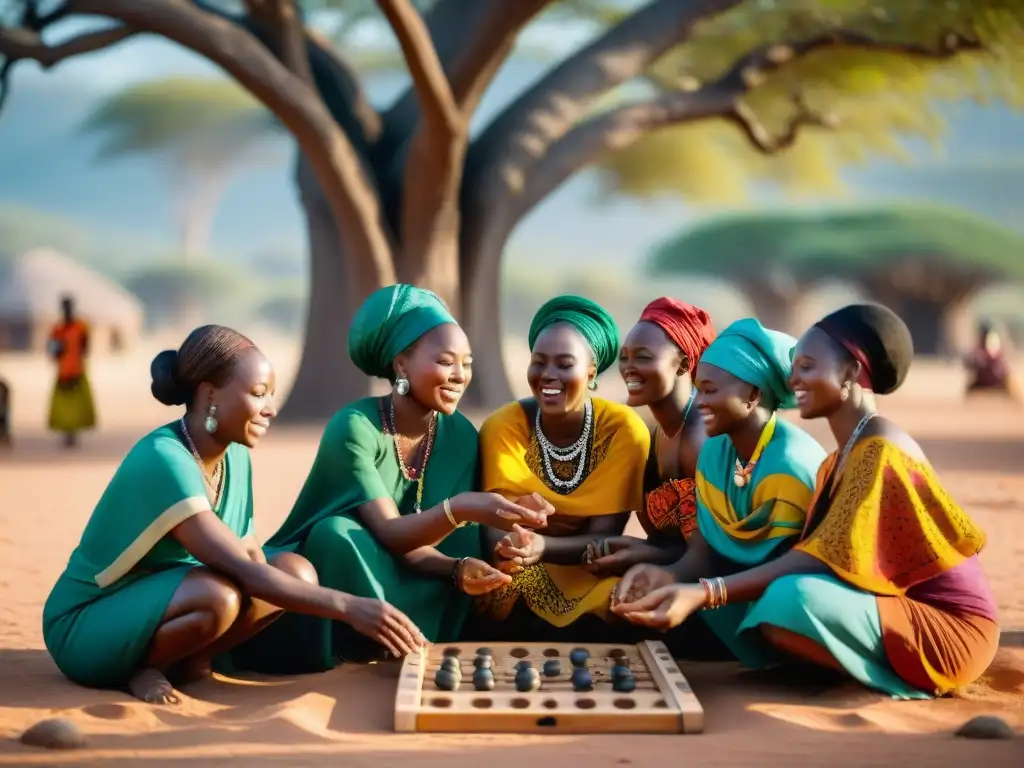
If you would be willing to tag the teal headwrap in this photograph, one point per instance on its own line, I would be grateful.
(389, 321)
(756, 355)
(590, 319)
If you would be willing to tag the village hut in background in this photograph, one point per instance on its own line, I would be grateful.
(31, 287)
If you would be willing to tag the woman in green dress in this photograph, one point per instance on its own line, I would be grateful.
(168, 573)
(387, 510)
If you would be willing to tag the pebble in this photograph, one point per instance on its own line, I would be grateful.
(552, 668)
(985, 727)
(483, 679)
(578, 657)
(57, 733)
(528, 679)
(524, 664)
(581, 679)
(447, 680)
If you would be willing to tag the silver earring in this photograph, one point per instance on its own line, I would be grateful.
(592, 385)
(211, 422)
(402, 386)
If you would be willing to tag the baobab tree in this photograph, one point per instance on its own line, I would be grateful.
(408, 194)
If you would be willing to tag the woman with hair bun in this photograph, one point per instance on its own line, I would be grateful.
(135, 608)
(884, 583)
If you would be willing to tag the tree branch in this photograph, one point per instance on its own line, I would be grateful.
(618, 128)
(22, 43)
(429, 81)
(291, 99)
(472, 39)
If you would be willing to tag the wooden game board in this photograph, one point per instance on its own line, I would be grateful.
(662, 702)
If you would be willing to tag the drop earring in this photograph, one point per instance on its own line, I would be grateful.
(402, 386)
(211, 422)
(592, 385)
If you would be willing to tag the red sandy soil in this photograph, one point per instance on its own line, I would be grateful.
(345, 716)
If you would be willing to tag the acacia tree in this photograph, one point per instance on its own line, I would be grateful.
(408, 194)
(924, 261)
(204, 129)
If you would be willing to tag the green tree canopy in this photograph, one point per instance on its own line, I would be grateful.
(843, 243)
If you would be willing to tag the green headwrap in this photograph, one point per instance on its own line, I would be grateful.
(756, 355)
(389, 321)
(591, 320)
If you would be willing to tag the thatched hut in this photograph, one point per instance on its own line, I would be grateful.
(31, 287)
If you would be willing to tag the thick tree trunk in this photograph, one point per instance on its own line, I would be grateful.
(326, 379)
(771, 306)
(483, 241)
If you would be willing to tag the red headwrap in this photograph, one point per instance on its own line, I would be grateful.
(689, 327)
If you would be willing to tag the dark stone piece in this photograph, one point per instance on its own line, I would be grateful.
(451, 663)
(581, 679)
(483, 662)
(484, 652)
(579, 657)
(483, 679)
(621, 671)
(524, 664)
(528, 679)
(552, 668)
(447, 680)
(624, 684)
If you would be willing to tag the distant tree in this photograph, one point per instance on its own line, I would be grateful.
(925, 262)
(206, 130)
(409, 194)
(172, 291)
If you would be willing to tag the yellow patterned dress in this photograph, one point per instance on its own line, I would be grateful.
(612, 483)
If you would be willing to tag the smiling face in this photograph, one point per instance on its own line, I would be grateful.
(561, 365)
(724, 401)
(651, 364)
(820, 369)
(439, 367)
(245, 402)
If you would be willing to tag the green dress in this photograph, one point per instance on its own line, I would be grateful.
(355, 464)
(101, 614)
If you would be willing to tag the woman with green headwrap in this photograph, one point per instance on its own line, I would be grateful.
(755, 476)
(583, 454)
(388, 509)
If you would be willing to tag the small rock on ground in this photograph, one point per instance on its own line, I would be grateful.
(57, 733)
(985, 727)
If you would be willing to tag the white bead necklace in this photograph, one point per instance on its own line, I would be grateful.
(550, 452)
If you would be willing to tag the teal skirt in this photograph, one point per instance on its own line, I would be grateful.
(837, 616)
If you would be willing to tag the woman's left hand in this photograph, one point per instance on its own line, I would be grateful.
(475, 577)
(519, 549)
(615, 555)
(664, 608)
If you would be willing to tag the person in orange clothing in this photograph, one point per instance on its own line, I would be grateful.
(71, 407)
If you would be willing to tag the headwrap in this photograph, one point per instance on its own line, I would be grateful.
(689, 327)
(591, 320)
(390, 320)
(875, 337)
(756, 355)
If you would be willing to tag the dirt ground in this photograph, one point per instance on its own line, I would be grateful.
(46, 495)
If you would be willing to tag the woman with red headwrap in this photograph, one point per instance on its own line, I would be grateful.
(656, 361)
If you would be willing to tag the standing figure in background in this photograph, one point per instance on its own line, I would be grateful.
(989, 367)
(71, 406)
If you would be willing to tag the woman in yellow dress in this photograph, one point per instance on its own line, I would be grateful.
(582, 454)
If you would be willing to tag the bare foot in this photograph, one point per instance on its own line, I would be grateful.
(151, 686)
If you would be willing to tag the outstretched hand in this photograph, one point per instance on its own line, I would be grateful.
(664, 608)
(495, 511)
(519, 549)
(475, 577)
(640, 581)
(615, 555)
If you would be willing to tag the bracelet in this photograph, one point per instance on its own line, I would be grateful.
(715, 591)
(457, 572)
(447, 504)
(722, 592)
(709, 592)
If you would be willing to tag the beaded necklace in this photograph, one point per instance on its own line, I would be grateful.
(578, 450)
(215, 480)
(409, 473)
(741, 476)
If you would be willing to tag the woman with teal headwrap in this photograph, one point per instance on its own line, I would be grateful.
(582, 454)
(387, 510)
(755, 475)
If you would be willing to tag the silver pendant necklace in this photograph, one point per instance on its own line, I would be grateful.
(550, 452)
